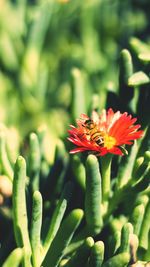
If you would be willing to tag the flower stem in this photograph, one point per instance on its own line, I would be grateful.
(106, 173)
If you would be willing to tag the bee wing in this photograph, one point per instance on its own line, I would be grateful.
(95, 117)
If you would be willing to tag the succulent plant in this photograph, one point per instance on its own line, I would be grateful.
(58, 60)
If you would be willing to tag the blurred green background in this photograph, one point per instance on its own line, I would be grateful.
(52, 51)
(58, 59)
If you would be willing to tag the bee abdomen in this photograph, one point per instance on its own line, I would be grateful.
(96, 136)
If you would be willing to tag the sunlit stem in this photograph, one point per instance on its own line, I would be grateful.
(106, 173)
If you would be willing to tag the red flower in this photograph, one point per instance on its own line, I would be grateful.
(104, 134)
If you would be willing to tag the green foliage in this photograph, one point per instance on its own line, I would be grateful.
(59, 59)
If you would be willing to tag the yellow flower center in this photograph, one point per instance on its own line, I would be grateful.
(109, 141)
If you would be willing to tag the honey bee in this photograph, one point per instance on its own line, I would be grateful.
(93, 132)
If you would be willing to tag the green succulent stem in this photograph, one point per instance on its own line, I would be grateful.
(137, 218)
(34, 161)
(127, 229)
(126, 167)
(106, 176)
(4, 161)
(20, 211)
(81, 254)
(36, 224)
(14, 259)
(93, 195)
(63, 238)
(119, 260)
(79, 96)
(57, 218)
(97, 255)
(144, 233)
